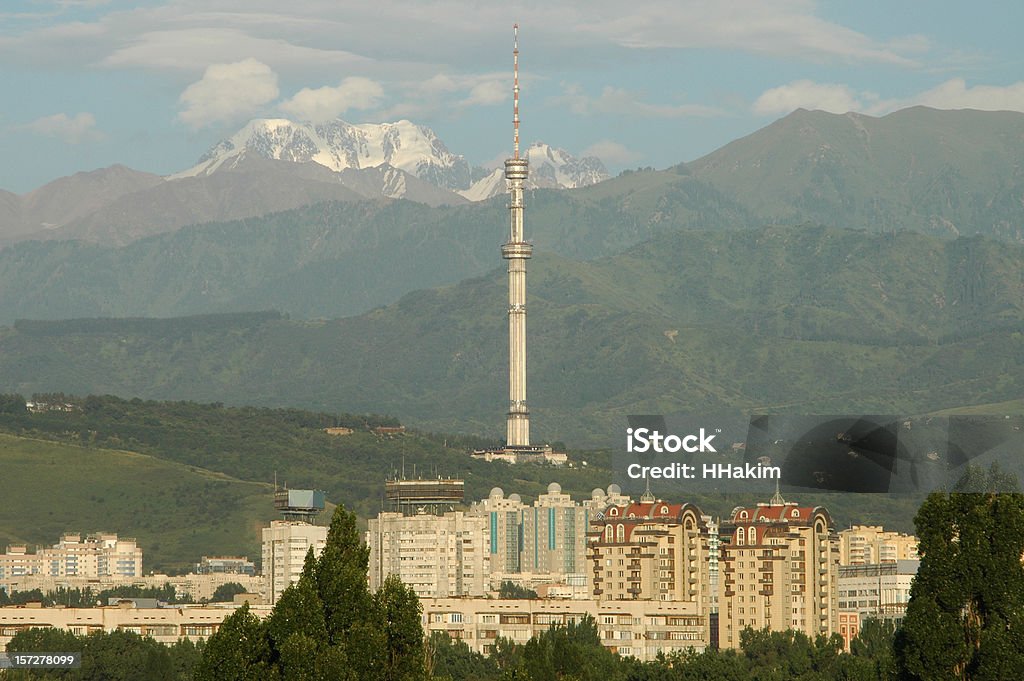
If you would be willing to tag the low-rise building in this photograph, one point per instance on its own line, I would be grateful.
(166, 625)
(641, 629)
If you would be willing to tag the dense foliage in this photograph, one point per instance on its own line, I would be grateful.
(965, 619)
(327, 625)
(113, 656)
(87, 597)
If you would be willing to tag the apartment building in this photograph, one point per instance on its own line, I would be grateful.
(637, 628)
(437, 555)
(779, 568)
(93, 556)
(285, 545)
(651, 550)
(871, 544)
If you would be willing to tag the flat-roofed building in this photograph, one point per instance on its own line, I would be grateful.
(92, 556)
(871, 544)
(555, 537)
(642, 629)
(437, 555)
(285, 545)
(165, 625)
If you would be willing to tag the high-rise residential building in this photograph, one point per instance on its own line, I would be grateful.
(504, 517)
(98, 555)
(285, 545)
(555, 537)
(286, 542)
(651, 550)
(439, 556)
(779, 568)
(870, 544)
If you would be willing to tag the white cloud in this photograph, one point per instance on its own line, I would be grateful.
(437, 94)
(955, 94)
(612, 153)
(776, 27)
(326, 103)
(73, 130)
(839, 98)
(194, 47)
(806, 94)
(487, 93)
(619, 101)
(227, 92)
(389, 36)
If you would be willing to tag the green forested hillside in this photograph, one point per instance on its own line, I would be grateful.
(952, 173)
(189, 479)
(798, 320)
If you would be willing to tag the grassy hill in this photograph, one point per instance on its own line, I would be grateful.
(791, 320)
(176, 511)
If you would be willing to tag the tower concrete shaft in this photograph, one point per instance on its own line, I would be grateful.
(517, 251)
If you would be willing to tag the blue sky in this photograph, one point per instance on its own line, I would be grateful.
(152, 85)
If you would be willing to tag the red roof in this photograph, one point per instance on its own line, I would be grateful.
(766, 513)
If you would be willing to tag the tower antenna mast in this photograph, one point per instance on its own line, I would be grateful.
(517, 250)
(515, 91)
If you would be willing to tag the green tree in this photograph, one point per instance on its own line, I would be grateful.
(511, 590)
(965, 618)
(350, 614)
(238, 651)
(400, 611)
(572, 651)
(227, 591)
(451, 659)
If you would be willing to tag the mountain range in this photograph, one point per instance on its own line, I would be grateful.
(769, 320)
(268, 166)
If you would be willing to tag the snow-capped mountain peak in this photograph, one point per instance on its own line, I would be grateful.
(550, 167)
(339, 145)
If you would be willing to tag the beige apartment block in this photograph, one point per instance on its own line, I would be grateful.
(641, 629)
(166, 625)
(92, 556)
(651, 550)
(197, 587)
(779, 569)
(871, 544)
(437, 555)
(881, 590)
(285, 545)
